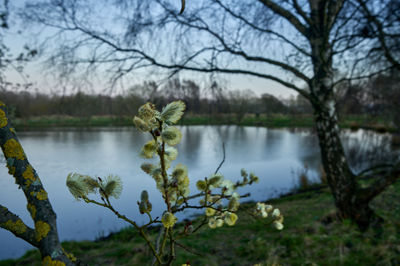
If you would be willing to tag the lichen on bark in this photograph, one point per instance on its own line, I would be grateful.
(15, 226)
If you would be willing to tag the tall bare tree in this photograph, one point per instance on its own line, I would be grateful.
(309, 46)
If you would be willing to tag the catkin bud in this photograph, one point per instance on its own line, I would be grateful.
(168, 219)
(144, 196)
(233, 204)
(143, 207)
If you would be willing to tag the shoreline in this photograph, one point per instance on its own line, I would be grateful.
(275, 121)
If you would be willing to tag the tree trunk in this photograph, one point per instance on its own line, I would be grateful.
(44, 236)
(341, 180)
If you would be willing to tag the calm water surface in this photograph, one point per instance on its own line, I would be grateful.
(273, 154)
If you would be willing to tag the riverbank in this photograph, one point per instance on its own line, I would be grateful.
(352, 122)
(307, 239)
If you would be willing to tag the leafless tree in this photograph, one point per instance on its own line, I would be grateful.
(309, 46)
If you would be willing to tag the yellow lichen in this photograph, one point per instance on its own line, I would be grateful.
(3, 119)
(70, 256)
(17, 227)
(32, 209)
(40, 195)
(12, 148)
(28, 175)
(42, 229)
(47, 261)
(12, 130)
(28, 183)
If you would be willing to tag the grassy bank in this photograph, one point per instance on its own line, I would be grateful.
(305, 240)
(353, 122)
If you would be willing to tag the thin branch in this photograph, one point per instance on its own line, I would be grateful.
(301, 12)
(381, 34)
(182, 8)
(188, 249)
(123, 217)
(286, 15)
(223, 158)
(252, 25)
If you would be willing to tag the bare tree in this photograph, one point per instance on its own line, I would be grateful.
(302, 45)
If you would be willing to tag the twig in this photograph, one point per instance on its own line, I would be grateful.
(223, 158)
(158, 243)
(188, 249)
(182, 8)
(123, 217)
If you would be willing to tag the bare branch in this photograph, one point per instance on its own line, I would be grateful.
(381, 35)
(287, 15)
(268, 31)
(381, 183)
(300, 11)
(183, 7)
(11, 222)
(223, 158)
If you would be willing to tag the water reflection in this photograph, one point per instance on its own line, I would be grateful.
(273, 154)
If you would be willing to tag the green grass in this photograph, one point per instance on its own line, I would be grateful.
(352, 122)
(304, 240)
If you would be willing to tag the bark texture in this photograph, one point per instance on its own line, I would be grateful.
(350, 200)
(44, 236)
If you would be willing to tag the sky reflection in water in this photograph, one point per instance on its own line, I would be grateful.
(272, 154)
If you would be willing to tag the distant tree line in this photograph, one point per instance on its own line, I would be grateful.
(376, 97)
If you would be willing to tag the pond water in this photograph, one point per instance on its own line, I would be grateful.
(275, 155)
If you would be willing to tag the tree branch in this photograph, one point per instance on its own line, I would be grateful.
(252, 25)
(240, 52)
(301, 12)
(38, 203)
(223, 158)
(211, 69)
(11, 222)
(286, 15)
(381, 34)
(382, 182)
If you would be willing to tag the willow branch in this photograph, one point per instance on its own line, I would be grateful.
(126, 219)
